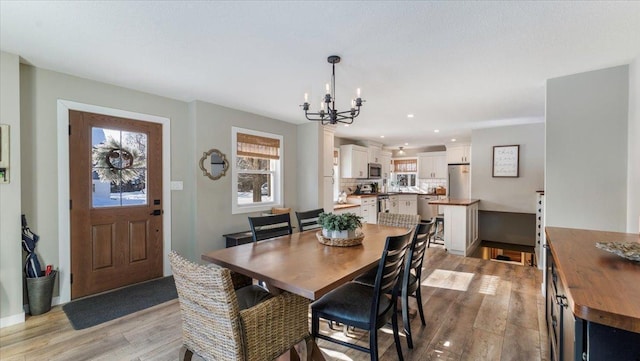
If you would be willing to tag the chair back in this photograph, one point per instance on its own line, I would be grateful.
(415, 254)
(398, 219)
(209, 308)
(389, 268)
(309, 219)
(270, 226)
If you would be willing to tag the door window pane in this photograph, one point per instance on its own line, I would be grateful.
(119, 171)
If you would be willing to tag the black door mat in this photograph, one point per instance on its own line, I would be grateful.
(92, 311)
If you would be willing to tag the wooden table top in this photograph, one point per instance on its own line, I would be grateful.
(602, 287)
(300, 264)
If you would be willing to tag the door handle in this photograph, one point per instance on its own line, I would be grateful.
(156, 212)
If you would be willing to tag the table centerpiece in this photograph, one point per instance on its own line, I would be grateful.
(340, 229)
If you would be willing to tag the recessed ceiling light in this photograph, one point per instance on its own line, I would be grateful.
(382, 136)
(346, 125)
(406, 143)
(409, 115)
(436, 130)
(453, 139)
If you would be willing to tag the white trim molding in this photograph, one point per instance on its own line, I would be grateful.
(64, 233)
(12, 320)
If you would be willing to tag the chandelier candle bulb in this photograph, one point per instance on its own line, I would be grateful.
(306, 97)
(358, 93)
(327, 87)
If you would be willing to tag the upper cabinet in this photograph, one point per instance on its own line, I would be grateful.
(353, 161)
(459, 153)
(374, 155)
(432, 165)
(385, 160)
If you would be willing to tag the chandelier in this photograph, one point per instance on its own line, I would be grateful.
(328, 114)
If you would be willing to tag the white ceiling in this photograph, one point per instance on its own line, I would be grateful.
(455, 65)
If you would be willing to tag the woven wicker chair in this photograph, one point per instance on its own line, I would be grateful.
(215, 328)
(398, 220)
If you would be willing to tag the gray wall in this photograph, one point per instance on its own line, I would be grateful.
(508, 194)
(586, 150)
(213, 198)
(633, 178)
(40, 89)
(10, 203)
(201, 212)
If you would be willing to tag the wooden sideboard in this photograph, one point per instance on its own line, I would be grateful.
(592, 297)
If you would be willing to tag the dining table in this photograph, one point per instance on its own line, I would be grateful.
(300, 264)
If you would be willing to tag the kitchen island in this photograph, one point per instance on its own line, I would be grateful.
(592, 297)
(460, 224)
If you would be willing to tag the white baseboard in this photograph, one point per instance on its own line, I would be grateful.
(12, 320)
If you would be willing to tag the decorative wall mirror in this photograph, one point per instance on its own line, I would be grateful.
(214, 164)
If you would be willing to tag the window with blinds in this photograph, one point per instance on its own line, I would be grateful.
(257, 171)
(405, 165)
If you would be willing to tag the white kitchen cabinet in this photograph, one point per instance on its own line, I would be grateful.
(407, 204)
(368, 208)
(432, 165)
(373, 155)
(328, 177)
(353, 161)
(354, 210)
(385, 160)
(327, 194)
(461, 228)
(394, 205)
(459, 153)
(327, 152)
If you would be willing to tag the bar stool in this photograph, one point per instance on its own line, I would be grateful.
(438, 237)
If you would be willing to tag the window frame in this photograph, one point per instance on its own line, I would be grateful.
(277, 172)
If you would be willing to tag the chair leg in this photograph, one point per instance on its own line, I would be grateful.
(405, 318)
(419, 299)
(373, 343)
(315, 324)
(396, 336)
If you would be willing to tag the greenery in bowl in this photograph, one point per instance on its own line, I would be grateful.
(339, 222)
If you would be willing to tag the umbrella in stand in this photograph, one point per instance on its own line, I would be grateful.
(29, 239)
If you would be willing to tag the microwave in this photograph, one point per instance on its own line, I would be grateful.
(375, 171)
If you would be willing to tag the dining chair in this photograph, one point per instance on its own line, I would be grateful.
(247, 324)
(398, 219)
(365, 307)
(270, 226)
(309, 219)
(411, 275)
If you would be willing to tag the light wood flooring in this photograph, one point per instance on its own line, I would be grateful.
(475, 310)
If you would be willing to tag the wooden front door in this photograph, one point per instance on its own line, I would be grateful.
(116, 202)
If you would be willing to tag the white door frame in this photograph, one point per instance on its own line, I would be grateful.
(64, 219)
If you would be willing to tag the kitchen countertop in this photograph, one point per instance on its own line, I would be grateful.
(345, 205)
(454, 202)
(364, 195)
(601, 286)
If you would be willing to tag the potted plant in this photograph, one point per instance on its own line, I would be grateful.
(339, 225)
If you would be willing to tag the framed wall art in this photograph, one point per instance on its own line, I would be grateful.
(506, 160)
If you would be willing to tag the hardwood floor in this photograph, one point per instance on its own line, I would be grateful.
(479, 310)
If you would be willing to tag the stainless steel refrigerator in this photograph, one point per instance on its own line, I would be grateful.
(459, 181)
